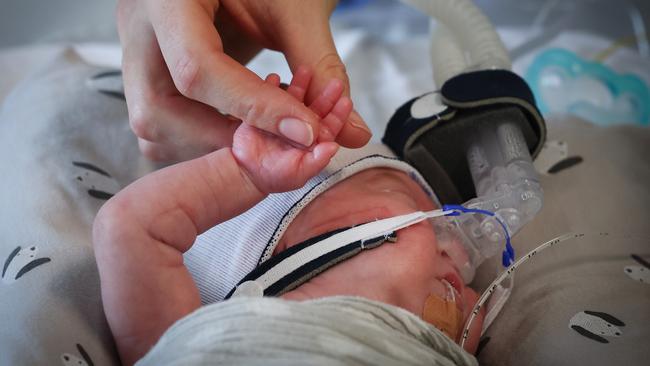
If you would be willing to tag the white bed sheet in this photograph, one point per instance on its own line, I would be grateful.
(385, 69)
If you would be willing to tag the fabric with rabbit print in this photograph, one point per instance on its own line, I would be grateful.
(20, 262)
(596, 325)
(98, 182)
(68, 359)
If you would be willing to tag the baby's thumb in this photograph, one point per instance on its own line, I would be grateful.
(318, 158)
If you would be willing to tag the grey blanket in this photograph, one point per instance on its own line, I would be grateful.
(330, 331)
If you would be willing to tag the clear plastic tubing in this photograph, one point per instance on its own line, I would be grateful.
(499, 161)
(471, 29)
(447, 58)
(505, 179)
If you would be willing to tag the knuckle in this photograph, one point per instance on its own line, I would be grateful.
(185, 73)
(255, 112)
(152, 152)
(142, 122)
(331, 63)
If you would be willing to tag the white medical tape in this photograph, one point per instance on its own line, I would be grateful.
(359, 233)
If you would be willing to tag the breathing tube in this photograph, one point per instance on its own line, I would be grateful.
(496, 153)
(464, 36)
(482, 144)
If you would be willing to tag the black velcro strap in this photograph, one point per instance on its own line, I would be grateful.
(479, 89)
(437, 145)
(446, 147)
(402, 126)
(311, 269)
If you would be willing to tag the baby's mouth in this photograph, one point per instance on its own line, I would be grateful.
(453, 293)
(455, 280)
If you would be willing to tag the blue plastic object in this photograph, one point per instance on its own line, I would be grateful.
(508, 254)
(564, 82)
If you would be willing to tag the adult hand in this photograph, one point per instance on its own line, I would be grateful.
(186, 86)
(276, 166)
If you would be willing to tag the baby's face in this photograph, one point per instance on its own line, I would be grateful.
(404, 273)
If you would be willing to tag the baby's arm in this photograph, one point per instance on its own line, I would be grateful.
(140, 235)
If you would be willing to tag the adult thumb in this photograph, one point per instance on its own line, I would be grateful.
(201, 71)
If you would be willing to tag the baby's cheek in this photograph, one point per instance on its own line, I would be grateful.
(470, 298)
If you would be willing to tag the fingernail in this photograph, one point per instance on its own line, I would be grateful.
(297, 131)
(321, 150)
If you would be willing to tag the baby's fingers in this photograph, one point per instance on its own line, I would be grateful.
(300, 83)
(328, 98)
(273, 79)
(316, 160)
(333, 122)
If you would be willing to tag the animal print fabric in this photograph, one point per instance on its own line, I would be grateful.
(59, 131)
(584, 302)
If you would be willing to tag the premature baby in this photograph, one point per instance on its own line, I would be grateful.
(141, 234)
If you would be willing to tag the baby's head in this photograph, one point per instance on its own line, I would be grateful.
(415, 272)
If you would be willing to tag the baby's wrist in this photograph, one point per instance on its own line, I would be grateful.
(250, 184)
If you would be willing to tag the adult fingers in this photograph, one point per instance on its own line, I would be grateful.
(236, 44)
(158, 152)
(156, 112)
(186, 124)
(309, 42)
(200, 70)
(169, 153)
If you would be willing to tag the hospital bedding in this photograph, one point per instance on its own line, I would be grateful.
(337, 328)
(60, 162)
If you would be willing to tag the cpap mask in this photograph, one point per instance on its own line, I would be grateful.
(300, 263)
(473, 140)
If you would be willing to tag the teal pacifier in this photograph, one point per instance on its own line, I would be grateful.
(563, 82)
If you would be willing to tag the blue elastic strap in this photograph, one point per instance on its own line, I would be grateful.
(508, 254)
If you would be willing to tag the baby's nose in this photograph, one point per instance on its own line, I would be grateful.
(452, 249)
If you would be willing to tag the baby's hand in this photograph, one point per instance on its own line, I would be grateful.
(273, 164)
